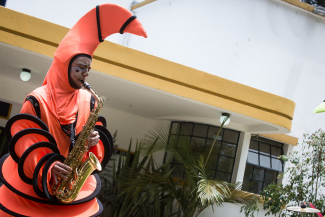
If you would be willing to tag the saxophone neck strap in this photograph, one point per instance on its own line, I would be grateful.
(70, 130)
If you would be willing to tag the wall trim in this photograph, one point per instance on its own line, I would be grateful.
(281, 138)
(142, 4)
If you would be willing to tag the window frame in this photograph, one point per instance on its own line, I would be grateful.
(268, 142)
(222, 142)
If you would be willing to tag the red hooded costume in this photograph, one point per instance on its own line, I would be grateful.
(36, 137)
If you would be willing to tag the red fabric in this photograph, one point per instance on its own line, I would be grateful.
(312, 206)
(59, 103)
(82, 38)
(10, 173)
(29, 208)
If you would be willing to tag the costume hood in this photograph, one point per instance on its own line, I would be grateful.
(83, 38)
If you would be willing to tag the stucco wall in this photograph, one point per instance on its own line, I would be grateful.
(265, 44)
(64, 13)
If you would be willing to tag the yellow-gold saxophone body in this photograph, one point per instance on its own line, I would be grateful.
(66, 191)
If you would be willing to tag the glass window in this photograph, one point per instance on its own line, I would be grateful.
(201, 137)
(175, 128)
(200, 130)
(253, 146)
(216, 147)
(225, 164)
(223, 176)
(256, 187)
(258, 174)
(276, 164)
(228, 150)
(275, 151)
(265, 149)
(270, 176)
(265, 161)
(213, 131)
(4, 145)
(198, 141)
(252, 158)
(262, 167)
(231, 136)
(214, 159)
(186, 129)
(182, 140)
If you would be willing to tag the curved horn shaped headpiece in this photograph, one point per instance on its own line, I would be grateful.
(83, 38)
(94, 27)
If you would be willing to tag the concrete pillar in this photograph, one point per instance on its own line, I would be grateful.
(241, 157)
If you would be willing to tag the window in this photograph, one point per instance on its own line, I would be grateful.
(262, 167)
(3, 3)
(3, 142)
(202, 135)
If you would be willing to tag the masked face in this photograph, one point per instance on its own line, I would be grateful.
(79, 71)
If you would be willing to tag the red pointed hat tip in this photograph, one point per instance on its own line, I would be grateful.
(145, 34)
(136, 28)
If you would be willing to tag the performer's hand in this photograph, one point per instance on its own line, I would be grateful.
(93, 139)
(60, 170)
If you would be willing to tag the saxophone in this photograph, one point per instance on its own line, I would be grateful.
(66, 191)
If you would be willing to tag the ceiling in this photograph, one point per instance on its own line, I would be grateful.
(120, 94)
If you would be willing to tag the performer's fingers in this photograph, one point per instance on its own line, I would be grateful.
(93, 141)
(61, 170)
(64, 166)
(93, 134)
(60, 174)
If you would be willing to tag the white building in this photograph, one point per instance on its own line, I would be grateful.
(259, 60)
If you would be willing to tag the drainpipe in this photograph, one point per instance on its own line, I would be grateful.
(134, 5)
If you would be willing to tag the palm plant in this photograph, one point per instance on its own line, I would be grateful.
(191, 194)
(119, 203)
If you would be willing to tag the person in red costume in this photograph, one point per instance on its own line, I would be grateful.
(51, 118)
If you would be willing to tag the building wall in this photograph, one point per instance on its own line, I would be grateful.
(64, 13)
(268, 45)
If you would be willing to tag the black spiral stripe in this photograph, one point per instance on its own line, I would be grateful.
(102, 120)
(107, 141)
(39, 165)
(23, 116)
(24, 132)
(3, 208)
(45, 201)
(21, 162)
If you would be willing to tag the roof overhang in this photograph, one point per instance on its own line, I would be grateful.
(138, 83)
